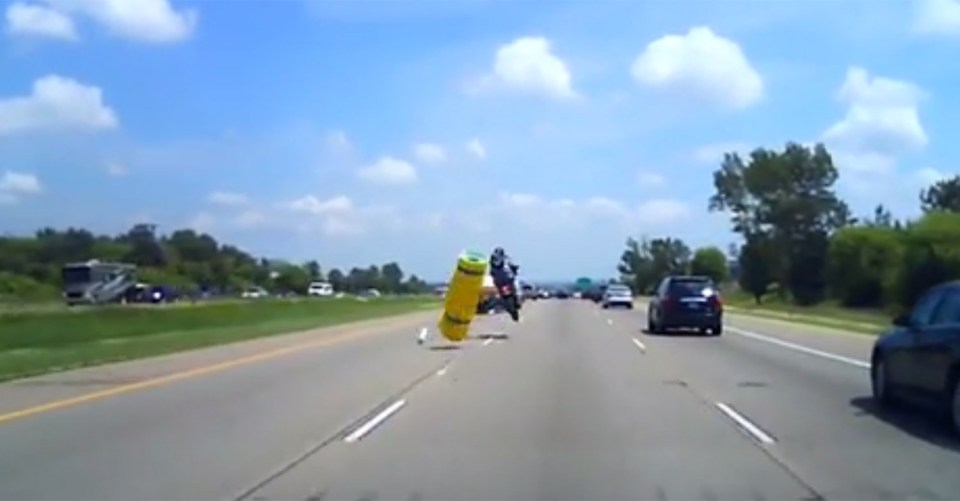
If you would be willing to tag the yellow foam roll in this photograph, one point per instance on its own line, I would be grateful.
(463, 294)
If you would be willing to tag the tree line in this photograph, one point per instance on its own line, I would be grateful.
(30, 266)
(799, 242)
(647, 261)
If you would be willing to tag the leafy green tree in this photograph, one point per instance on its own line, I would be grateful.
(634, 266)
(711, 262)
(21, 287)
(414, 285)
(337, 279)
(787, 198)
(931, 256)
(391, 277)
(944, 195)
(862, 264)
(292, 278)
(313, 269)
(30, 266)
(145, 248)
(644, 263)
(357, 279)
(188, 245)
(756, 264)
(881, 218)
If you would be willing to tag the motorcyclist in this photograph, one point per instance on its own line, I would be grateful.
(503, 270)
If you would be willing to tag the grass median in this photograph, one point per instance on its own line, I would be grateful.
(865, 321)
(34, 342)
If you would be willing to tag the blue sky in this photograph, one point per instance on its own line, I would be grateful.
(359, 131)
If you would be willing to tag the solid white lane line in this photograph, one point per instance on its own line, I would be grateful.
(443, 370)
(800, 348)
(488, 341)
(639, 344)
(367, 427)
(745, 423)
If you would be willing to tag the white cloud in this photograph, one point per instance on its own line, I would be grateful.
(937, 17)
(149, 21)
(662, 211)
(338, 141)
(116, 169)
(313, 205)
(538, 214)
(251, 218)
(20, 183)
(928, 175)
(605, 207)
(868, 163)
(528, 65)
(337, 226)
(430, 153)
(14, 185)
(56, 102)
(476, 148)
(701, 65)
(648, 179)
(335, 216)
(339, 216)
(520, 199)
(202, 222)
(389, 171)
(881, 122)
(882, 116)
(40, 21)
(228, 199)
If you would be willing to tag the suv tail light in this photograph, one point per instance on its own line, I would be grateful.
(715, 302)
(668, 302)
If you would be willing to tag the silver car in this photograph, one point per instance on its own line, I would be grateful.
(617, 296)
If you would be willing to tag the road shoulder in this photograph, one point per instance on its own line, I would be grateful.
(38, 390)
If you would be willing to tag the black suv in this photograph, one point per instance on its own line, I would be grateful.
(682, 301)
(918, 360)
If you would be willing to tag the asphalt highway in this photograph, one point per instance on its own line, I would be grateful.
(573, 403)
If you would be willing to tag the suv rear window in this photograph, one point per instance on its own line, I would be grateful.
(686, 287)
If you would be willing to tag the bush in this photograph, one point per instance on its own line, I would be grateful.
(711, 262)
(24, 288)
(931, 255)
(863, 263)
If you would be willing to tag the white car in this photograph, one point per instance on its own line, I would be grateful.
(617, 295)
(254, 293)
(320, 289)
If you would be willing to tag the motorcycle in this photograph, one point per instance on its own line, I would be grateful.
(510, 300)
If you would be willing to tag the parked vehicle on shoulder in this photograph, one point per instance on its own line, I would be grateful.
(97, 282)
(918, 360)
(686, 302)
(254, 293)
(320, 289)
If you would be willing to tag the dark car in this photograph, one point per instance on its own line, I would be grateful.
(686, 302)
(529, 292)
(562, 294)
(593, 294)
(918, 360)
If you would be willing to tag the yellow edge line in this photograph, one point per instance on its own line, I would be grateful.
(169, 378)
